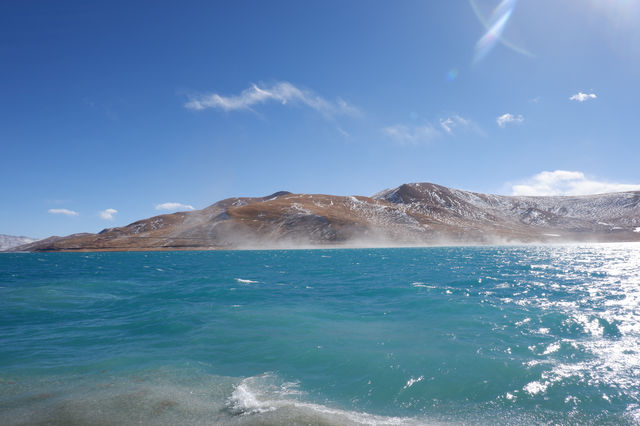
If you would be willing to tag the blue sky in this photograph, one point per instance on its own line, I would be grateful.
(135, 106)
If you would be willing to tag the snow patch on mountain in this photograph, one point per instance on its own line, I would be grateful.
(10, 241)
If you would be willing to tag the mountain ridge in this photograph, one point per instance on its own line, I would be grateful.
(410, 214)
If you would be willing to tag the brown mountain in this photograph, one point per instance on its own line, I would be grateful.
(411, 214)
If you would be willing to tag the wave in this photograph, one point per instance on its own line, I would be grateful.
(243, 281)
(167, 397)
(278, 402)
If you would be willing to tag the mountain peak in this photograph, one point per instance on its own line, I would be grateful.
(410, 214)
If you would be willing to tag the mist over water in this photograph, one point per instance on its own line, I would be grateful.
(439, 335)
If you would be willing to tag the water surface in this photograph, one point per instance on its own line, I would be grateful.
(481, 335)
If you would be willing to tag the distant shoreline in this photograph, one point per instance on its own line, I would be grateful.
(318, 247)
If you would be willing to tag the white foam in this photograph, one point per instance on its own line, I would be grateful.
(554, 347)
(413, 381)
(534, 388)
(264, 394)
(244, 402)
(243, 281)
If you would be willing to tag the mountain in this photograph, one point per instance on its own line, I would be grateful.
(411, 214)
(9, 241)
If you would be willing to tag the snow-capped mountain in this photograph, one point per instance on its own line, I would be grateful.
(411, 214)
(589, 213)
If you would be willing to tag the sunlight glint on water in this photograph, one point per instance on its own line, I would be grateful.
(376, 336)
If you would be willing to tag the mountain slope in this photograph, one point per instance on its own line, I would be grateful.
(587, 213)
(9, 241)
(411, 214)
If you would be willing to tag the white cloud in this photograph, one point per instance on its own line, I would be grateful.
(453, 123)
(449, 123)
(174, 206)
(283, 92)
(66, 212)
(411, 135)
(563, 182)
(108, 214)
(415, 134)
(507, 118)
(581, 97)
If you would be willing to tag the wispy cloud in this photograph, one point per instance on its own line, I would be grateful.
(283, 92)
(65, 212)
(173, 206)
(449, 123)
(455, 123)
(108, 214)
(414, 135)
(508, 118)
(581, 97)
(448, 126)
(563, 182)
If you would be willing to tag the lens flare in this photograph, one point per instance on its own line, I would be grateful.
(495, 26)
(489, 40)
(452, 74)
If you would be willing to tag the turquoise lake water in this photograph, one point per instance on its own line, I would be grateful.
(446, 335)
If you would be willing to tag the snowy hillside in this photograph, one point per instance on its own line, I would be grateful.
(411, 214)
(9, 241)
